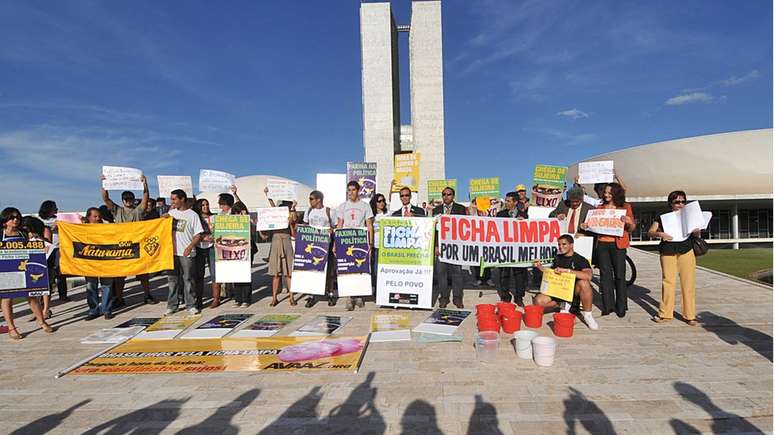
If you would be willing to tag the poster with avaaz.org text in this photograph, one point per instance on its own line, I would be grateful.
(405, 266)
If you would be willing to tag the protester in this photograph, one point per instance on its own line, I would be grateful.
(160, 204)
(380, 210)
(599, 189)
(130, 212)
(318, 215)
(475, 271)
(36, 231)
(611, 254)
(445, 271)
(188, 233)
(151, 212)
(676, 257)
(281, 252)
(94, 284)
(106, 215)
(407, 209)
(203, 256)
(522, 202)
(354, 213)
(225, 202)
(568, 261)
(513, 280)
(573, 210)
(47, 213)
(10, 219)
(243, 291)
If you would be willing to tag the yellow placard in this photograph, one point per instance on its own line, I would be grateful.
(558, 285)
(171, 323)
(111, 250)
(389, 322)
(483, 203)
(276, 354)
(406, 172)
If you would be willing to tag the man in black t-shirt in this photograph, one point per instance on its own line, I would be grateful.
(567, 261)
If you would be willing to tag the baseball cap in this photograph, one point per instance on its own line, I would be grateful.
(521, 187)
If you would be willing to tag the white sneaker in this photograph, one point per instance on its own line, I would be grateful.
(236, 304)
(169, 312)
(590, 322)
(245, 305)
(193, 311)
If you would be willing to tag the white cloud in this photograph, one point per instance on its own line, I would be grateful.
(734, 80)
(573, 114)
(694, 97)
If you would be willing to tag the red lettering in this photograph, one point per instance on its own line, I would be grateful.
(445, 228)
(555, 231)
(492, 233)
(506, 231)
(528, 231)
(478, 229)
(542, 230)
(464, 229)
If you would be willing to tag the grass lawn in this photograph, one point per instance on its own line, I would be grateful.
(739, 263)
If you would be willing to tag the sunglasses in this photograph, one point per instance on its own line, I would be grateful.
(678, 202)
(16, 216)
(312, 198)
(405, 196)
(447, 194)
(380, 200)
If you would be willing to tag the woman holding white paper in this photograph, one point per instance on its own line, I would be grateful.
(611, 253)
(676, 258)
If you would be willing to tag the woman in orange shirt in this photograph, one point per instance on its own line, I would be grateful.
(611, 254)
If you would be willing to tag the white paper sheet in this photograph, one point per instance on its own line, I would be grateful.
(168, 183)
(595, 172)
(334, 187)
(680, 224)
(271, 218)
(282, 190)
(121, 178)
(215, 181)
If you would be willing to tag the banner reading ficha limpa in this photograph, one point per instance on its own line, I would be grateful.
(477, 240)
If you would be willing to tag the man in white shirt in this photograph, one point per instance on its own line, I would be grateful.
(318, 215)
(407, 209)
(354, 213)
(188, 233)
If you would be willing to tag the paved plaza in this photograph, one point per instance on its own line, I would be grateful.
(631, 376)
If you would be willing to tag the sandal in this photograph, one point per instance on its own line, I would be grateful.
(659, 319)
(14, 334)
(47, 328)
(692, 322)
(273, 303)
(48, 315)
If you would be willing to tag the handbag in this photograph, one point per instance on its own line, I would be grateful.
(700, 246)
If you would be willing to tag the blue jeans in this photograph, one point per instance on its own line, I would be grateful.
(181, 280)
(93, 286)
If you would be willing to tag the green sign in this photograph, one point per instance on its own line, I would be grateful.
(488, 187)
(435, 187)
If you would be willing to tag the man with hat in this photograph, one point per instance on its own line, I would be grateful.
(522, 202)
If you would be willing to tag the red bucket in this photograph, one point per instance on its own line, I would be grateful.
(489, 325)
(564, 323)
(533, 316)
(511, 322)
(482, 309)
(505, 308)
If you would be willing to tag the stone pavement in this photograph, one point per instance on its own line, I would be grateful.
(631, 376)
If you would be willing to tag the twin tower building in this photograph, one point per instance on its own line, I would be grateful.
(384, 133)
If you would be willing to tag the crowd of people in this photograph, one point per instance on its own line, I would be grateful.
(194, 255)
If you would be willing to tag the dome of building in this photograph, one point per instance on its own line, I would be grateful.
(250, 191)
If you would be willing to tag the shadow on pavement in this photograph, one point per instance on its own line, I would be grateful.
(220, 420)
(579, 409)
(49, 422)
(722, 421)
(734, 333)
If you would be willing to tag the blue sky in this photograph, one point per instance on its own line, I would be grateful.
(273, 87)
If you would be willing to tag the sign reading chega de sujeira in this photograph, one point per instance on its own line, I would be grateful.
(490, 241)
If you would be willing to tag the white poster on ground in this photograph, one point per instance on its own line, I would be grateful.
(168, 183)
(595, 172)
(215, 181)
(271, 218)
(282, 190)
(334, 187)
(121, 178)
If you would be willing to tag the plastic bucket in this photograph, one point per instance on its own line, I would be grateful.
(486, 346)
(505, 308)
(483, 309)
(523, 343)
(489, 324)
(544, 350)
(533, 316)
(564, 323)
(511, 322)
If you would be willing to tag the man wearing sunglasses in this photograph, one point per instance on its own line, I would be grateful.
(318, 215)
(407, 209)
(445, 271)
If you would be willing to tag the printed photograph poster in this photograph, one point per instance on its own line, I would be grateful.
(271, 218)
(558, 285)
(218, 326)
(390, 327)
(491, 241)
(435, 188)
(406, 172)
(443, 321)
(214, 181)
(486, 187)
(168, 183)
(365, 175)
(121, 178)
(271, 354)
(267, 325)
(405, 266)
(322, 325)
(606, 221)
(282, 190)
(231, 241)
(548, 185)
(310, 260)
(23, 269)
(139, 321)
(595, 172)
(168, 327)
(353, 262)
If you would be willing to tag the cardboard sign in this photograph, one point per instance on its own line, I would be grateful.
(168, 183)
(23, 269)
(406, 254)
(282, 190)
(272, 218)
(435, 188)
(214, 181)
(548, 185)
(365, 175)
(310, 260)
(406, 173)
(121, 178)
(489, 187)
(595, 172)
(334, 187)
(606, 221)
(558, 285)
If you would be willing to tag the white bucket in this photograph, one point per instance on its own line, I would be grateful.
(544, 350)
(523, 343)
(486, 345)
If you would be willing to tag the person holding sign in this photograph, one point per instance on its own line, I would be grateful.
(611, 253)
(188, 233)
(568, 261)
(10, 219)
(676, 258)
(318, 215)
(128, 213)
(513, 280)
(97, 306)
(354, 213)
(445, 271)
(407, 209)
(281, 252)
(572, 210)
